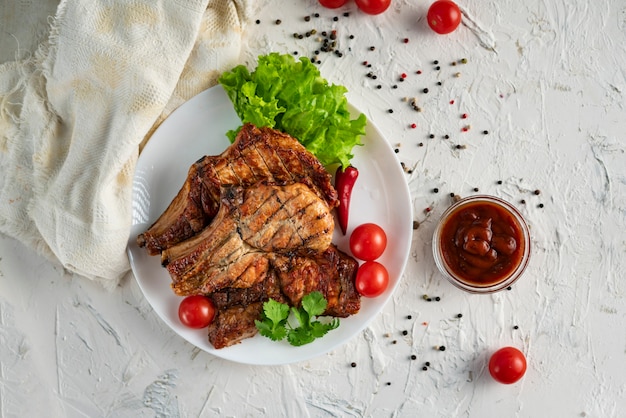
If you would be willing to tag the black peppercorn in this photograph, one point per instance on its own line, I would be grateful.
(442, 348)
(413, 357)
(425, 90)
(353, 364)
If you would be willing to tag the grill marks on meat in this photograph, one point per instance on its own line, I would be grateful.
(257, 154)
(332, 273)
(251, 224)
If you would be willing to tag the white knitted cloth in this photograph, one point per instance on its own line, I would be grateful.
(73, 118)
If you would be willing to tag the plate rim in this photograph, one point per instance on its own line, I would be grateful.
(408, 212)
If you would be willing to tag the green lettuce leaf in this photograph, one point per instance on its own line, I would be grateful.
(290, 95)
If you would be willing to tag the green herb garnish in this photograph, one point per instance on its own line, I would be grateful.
(274, 323)
(290, 95)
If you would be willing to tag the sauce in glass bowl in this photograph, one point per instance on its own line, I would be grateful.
(481, 244)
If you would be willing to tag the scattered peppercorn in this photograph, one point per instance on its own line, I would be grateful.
(537, 192)
(413, 357)
(459, 315)
(346, 14)
(388, 383)
(437, 298)
(351, 37)
(452, 194)
(424, 368)
(439, 83)
(442, 348)
(353, 364)
(460, 146)
(435, 62)
(515, 327)
(390, 111)
(425, 90)
(475, 189)
(372, 48)
(405, 332)
(499, 181)
(335, 19)
(446, 136)
(421, 144)
(278, 21)
(523, 201)
(509, 288)
(396, 150)
(258, 21)
(394, 342)
(540, 205)
(485, 132)
(435, 190)
(431, 136)
(437, 68)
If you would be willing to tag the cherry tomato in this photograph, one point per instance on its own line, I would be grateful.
(444, 16)
(372, 279)
(196, 311)
(368, 241)
(333, 4)
(373, 7)
(507, 365)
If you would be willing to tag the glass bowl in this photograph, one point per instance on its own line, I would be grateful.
(481, 244)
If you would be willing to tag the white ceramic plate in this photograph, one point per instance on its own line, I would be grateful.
(197, 128)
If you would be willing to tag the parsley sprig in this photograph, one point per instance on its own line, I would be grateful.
(275, 325)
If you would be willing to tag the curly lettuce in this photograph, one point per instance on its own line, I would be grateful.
(290, 95)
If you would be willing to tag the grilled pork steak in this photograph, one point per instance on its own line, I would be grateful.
(331, 272)
(257, 154)
(251, 224)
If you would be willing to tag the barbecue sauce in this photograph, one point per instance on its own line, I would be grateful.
(482, 243)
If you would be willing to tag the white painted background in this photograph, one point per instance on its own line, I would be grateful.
(547, 79)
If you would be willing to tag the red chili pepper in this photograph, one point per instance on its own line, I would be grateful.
(344, 182)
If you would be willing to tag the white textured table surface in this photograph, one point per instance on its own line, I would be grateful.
(547, 80)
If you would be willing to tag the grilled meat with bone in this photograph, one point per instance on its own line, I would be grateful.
(251, 224)
(331, 272)
(257, 154)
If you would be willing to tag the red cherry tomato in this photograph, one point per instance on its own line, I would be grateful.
(372, 279)
(333, 4)
(368, 241)
(196, 311)
(444, 16)
(373, 7)
(507, 365)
